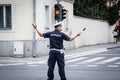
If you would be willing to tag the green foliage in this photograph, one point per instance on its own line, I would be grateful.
(96, 9)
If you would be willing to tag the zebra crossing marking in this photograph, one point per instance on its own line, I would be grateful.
(12, 64)
(24, 63)
(92, 65)
(90, 60)
(87, 53)
(73, 56)
(33, 65)
(38, 62)
(113, 66)
(77, 59)
(108, 60)
(117, 63)
(72, 65)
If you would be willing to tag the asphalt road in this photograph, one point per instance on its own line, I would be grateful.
(103, 65)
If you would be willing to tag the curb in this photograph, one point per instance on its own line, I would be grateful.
(113, 47)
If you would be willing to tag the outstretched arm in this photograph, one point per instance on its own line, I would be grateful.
(35, 27)
(72, 38)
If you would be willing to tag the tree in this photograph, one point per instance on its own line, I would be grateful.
(96, 9)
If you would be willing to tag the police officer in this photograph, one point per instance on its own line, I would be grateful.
(56, 53)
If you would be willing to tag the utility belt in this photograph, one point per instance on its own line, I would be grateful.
(60, 50)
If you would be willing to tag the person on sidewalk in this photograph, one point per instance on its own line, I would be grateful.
(118, 23)
(118, 26)
(115, 33)
(56, 53)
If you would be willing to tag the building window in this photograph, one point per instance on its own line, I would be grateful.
(47, 18)
(5, 17)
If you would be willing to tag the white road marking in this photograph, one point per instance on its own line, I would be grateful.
(38, 62)
(72, 65)
(33, 65)
(108, 60)
(110, 54)
(1, 64)
(113, 66)
(78, 56)
(94, 59)
(73, 56)
(117, 63)
(77, 59)
(13, 64)
(92, 65)
(86, 53)
(90, 60)
(7, 60)
(23, 63)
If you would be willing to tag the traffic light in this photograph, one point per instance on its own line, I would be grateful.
(57, 12)
(60, 12)
(64, 13)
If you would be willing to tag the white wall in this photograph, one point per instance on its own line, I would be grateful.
(41, 15)
(22, 17)
(96, 31)
(68, 22)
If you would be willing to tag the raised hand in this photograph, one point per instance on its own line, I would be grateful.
(34, 25)
(78, 34)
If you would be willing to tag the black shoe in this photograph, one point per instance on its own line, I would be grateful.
(64, 79)
(49, 79)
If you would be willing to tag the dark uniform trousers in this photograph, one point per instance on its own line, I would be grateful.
(56, 56)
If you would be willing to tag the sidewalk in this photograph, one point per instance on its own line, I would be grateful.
(107, 46)
(81, 50)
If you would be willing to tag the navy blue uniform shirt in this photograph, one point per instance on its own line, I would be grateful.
(56, 39)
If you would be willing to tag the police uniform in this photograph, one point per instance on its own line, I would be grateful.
(56, 53)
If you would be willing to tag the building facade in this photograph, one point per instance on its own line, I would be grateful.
(16, 31)
(17, 36)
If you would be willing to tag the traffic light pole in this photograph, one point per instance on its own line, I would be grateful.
(34, 32)
(60, 12)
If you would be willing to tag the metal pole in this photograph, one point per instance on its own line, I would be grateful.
(34, 32)
(67, 20)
